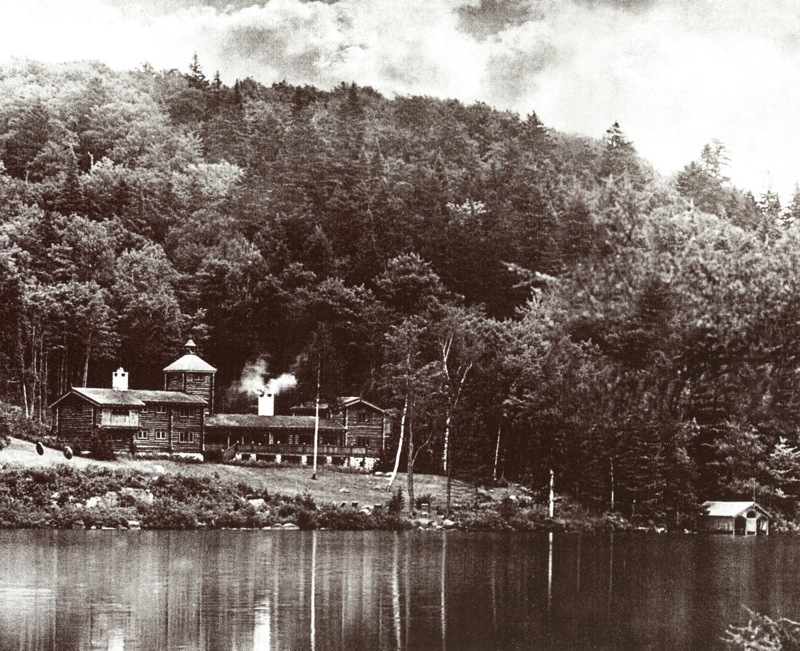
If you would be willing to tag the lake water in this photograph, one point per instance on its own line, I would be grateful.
(235, 590)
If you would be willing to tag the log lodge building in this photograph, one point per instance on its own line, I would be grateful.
(180, 420)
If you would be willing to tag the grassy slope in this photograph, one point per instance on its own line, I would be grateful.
(290, 480)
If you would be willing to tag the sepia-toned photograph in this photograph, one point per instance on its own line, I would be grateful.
(399, 325)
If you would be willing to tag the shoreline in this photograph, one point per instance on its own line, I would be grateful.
(46, 491)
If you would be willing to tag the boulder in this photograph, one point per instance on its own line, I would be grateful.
(258, 504)
(141, 495)
(290, 526)
(110, 499)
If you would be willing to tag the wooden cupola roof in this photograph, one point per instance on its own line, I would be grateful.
(190, 362)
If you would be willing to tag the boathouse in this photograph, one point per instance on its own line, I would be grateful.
(734, 518)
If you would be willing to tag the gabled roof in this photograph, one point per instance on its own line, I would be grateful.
(190, 363)
(350, 401)
(130, 397)
(253, 421)
(344, 401)
(731, 509)
(104, 397)
(169, 397)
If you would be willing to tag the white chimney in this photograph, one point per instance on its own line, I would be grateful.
(119, 380)
(266, 404)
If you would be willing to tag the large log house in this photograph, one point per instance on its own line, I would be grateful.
(181, 419)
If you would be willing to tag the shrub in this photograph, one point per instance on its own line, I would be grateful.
(342, 518)
(396, 502)
(764, 633)
(508, 508)
(425, 498)
(307, 519)
(390, 522)
(14, 423)
(166, 513)
(306, 501)
(102, 449)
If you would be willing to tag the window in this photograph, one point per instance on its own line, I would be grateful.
(362, 441)
(161, 435)
(363, 417)
(145, 409)
(186, 437)
(119, 411)
(142, 435)
(161, 409)
(184, 412)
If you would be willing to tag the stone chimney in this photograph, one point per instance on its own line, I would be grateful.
(119, 380)
(266, 404)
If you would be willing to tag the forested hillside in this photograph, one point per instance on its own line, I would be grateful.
(514, 293)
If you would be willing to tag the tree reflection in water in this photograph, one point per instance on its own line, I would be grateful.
(247, 590)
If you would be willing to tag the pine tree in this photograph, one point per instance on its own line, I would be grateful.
(196, 78)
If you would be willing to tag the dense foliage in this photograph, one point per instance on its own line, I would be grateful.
(527, 301)
(63, 497)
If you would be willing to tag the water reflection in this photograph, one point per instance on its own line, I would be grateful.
(323, 590)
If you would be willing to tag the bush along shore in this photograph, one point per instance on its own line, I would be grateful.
(64, 497)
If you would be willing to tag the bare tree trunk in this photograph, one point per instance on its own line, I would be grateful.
(449, 491)
(46, 385)
(412, 505)
(497, 451)
(551, 509)
(460, 378)
(34, 374)
(62, 373)
(316, 424)
(86, 361)
(400, 444)
(446, 452)
(612, 484)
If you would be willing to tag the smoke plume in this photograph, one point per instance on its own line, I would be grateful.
(253, 380)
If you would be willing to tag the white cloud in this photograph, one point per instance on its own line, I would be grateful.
(674, 74)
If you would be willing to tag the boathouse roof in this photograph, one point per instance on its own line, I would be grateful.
(731, 509)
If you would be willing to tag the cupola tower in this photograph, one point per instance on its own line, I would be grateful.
(192, 375)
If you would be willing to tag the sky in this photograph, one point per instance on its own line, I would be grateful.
(675, 74)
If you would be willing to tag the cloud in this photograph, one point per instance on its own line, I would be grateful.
(490, 17)
(674, 74)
